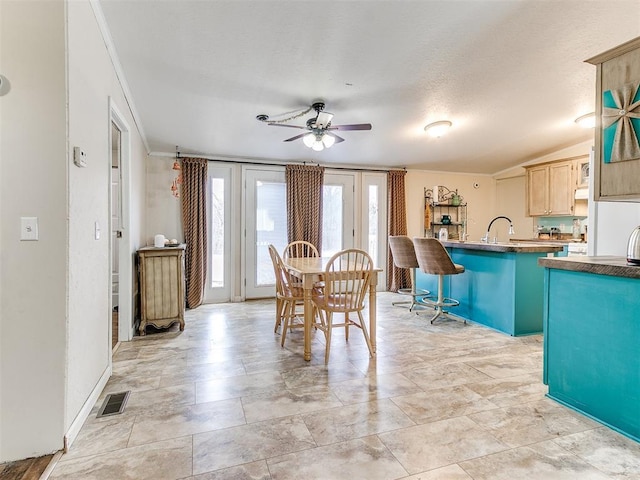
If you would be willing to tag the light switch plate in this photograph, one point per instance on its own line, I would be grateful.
(79, 157)
(29, 228)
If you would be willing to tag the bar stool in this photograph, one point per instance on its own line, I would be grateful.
(404, 256)
(434, 259)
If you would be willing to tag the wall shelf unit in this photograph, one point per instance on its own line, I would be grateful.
(444, 208)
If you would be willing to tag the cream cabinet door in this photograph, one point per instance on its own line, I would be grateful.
(551, 189)
(561, 188)
(538, 191)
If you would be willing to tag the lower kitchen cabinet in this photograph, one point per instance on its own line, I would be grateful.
(161, 287)
(591, 338)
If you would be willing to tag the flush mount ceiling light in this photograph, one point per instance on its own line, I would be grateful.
(587, 121)
(438, 129)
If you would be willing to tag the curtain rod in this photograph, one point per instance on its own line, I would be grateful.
(284, 164)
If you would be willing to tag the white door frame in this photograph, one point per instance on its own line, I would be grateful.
(125, 260)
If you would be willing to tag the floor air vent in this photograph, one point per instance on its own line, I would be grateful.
(114, 404)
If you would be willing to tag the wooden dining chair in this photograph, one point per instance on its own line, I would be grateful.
(289, 297)
(347, 277)
(300, 249)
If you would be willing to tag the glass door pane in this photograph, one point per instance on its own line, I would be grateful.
(218, 286)
(337, 213)
(374, 221)
(266, 223)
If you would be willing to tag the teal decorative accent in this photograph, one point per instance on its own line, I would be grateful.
(608, 133)
(621, 124)
(501, 290)
(591, 339)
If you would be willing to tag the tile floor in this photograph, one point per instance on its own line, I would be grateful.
(223, 400)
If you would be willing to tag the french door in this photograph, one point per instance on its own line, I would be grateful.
(265, 223)
(240, 265)
(373, 228)
(338, 213)
(221, 225)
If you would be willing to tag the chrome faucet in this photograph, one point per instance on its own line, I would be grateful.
(485, 239)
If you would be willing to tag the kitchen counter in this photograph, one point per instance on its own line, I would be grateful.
(601, 265)
(502, 286)
(515, 247)
(591, 338)
(562, 241)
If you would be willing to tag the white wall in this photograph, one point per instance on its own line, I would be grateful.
(33, 305)
(54, 301)
(611, 227)
(92, 81)
(164, 210)
(511, 202)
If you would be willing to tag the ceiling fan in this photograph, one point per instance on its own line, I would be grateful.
(319, 134)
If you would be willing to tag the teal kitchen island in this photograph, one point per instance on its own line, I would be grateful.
(502, 286)
(592, 338)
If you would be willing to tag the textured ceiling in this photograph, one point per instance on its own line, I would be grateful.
(509, 74)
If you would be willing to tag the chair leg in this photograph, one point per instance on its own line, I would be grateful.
(289, 310)
(328, 337)
(438, 306)
(346, 326)
(279, 306)
(365, 333)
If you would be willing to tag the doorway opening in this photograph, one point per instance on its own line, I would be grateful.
(116, 230)
(120, 242)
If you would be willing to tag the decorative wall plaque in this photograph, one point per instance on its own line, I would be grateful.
(621, 123)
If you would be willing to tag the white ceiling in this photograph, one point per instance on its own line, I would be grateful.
(509, 74)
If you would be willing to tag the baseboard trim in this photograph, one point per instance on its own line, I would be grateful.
(52, 464)
(83, 414)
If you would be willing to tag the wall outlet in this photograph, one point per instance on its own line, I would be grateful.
(29, 228)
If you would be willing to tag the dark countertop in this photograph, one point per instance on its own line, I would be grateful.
(562, 241)
(523, 247)
(601, 265)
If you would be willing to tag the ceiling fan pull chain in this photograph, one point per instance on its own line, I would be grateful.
(265, 118)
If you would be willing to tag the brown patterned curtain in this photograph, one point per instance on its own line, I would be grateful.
(304, 203)
(397, 217)
(194, 223)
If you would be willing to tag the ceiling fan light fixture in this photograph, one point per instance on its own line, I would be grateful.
(438, 129)
(309, 139)
(317, 146)
(587, 121)
(328, 140)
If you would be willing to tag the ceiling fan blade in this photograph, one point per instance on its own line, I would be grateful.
(338, 139)
(284, 125)
(295, 138)
(355, 126)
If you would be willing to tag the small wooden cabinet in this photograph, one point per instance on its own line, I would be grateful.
(617, 69)
(161, 287)
(551, 188)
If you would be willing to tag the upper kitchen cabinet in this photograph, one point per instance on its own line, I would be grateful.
(550, 188)
(617, 133)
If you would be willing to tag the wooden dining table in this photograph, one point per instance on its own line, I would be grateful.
(309, 270)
